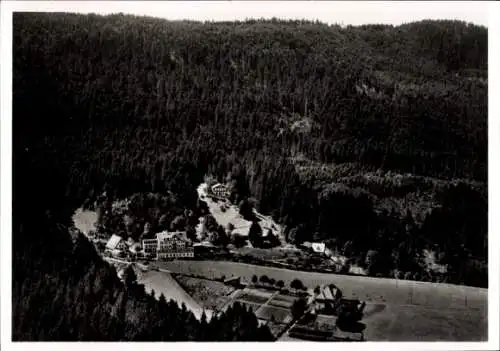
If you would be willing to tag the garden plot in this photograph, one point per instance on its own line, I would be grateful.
(320, 322)
(257, 296)
(220, 303)
(208, 293)
(274, 314)
(249, 305)
(247, 297)
(282, 301)
(85, 221)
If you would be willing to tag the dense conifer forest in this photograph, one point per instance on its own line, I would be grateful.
(372, 139)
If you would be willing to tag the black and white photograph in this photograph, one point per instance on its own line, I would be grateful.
(247, 172)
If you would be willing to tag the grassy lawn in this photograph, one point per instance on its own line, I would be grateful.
(403, 323)
(249, 305)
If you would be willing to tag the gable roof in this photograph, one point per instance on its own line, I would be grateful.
(318, 247)
(113, 242)
(328, 293)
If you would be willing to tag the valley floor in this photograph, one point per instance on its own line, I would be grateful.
(396, 310)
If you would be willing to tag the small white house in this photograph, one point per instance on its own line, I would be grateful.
(116, 245)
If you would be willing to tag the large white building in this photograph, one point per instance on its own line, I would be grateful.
(168, 245)
(150, 248)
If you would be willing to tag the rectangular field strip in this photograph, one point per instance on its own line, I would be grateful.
(259, 292)
(282, 301)
(252, 298)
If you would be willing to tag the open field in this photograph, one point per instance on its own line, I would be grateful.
(258, 300)
(393, 324)
(164, 283)
(84, 220)
(208, 293)
(414, 310)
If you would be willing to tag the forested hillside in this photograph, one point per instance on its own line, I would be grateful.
(63, 291)
(370, 138)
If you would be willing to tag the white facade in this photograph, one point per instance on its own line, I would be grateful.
(168, 245)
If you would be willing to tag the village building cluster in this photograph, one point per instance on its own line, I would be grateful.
(165, 245)
(168, 245)
(328, 299)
